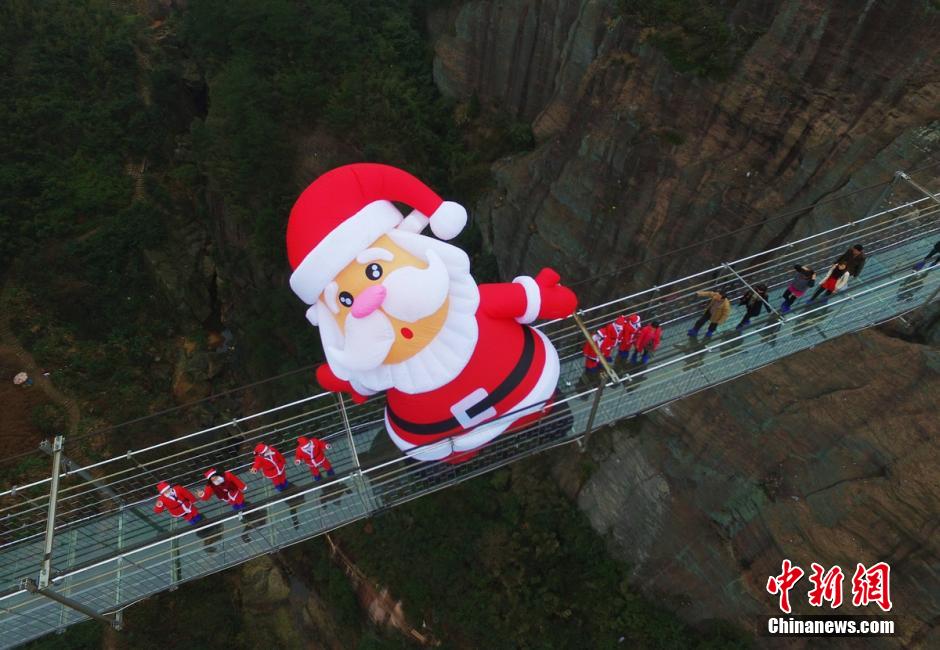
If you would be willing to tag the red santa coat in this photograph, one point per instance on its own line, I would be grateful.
(179, 502)
(647, 340)
(311, 451)
(627, 328)
(271, 463)
(232, 491)
(513, 372)
(605, 339)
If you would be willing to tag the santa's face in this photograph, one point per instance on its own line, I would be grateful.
(388, 304)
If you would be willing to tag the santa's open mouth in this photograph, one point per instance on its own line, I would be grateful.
(407, 333)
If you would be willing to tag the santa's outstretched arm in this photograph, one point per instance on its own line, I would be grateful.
(526, 299)
(334, 384)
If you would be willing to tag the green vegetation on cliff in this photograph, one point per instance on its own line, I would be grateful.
(695, 35)
(507, 561)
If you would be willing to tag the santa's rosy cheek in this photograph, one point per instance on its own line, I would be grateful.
(407, 333)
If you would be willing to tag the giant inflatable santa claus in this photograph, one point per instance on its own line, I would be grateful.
(399, 312)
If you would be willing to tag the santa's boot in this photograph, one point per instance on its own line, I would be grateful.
(693, 332)
(646, 358)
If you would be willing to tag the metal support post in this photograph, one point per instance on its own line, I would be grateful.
(30, 585)
(45, 572)
(918, 186)
(349, 435)
(748, 285)
(590, 423)
(590, 339)
(71, 467)
(360, 479)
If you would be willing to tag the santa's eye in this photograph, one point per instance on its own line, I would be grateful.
(346, 298)
(374, 271)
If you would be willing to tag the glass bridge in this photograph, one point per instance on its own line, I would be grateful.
(84, 541)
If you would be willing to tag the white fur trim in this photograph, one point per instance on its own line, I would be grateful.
(414, 222)
(340, 247)
(448, 220)
(533, 299)
(479, 436)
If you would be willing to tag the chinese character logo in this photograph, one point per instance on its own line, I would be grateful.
(783, 583)
(827, 586)
(872, 585)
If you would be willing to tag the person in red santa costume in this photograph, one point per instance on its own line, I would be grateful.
(226, 486)
(178, 501)
(647, 340)
(399, 312)
(272, 465)
(627, 328)
(313, 452)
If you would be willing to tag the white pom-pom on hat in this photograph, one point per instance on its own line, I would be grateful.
(448, 220)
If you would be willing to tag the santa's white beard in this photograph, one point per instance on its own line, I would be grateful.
(413, 294)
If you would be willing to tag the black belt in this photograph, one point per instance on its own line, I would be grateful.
(510, 383)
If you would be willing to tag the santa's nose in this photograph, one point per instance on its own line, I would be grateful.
(368, 301)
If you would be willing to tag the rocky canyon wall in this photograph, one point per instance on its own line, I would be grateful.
(827, 457)
(634, 158)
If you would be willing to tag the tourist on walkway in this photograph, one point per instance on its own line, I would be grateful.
(647, 340)
(312, 451)
(753, 302)
(717, 312)
(225, 486)
(178, 501)
(272, 465)
(802, 280)
(627, 328)
(935, 253)
(836, 279)
(854, 260)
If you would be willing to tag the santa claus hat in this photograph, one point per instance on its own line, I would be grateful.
(211, 472)
(261, 448)
(346, 209)
(162, 487)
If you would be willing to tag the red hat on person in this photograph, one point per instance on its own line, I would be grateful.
(211, 472)
(260, 448)
(345, 210)
(162, 487)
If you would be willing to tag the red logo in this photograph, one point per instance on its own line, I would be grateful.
(783, 583)
(871, 585)
(826, 586)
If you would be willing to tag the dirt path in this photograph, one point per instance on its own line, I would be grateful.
(10, 346)
(382, 608)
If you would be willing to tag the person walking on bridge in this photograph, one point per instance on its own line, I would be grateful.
(178, 501)
(836, 279)
(627, 328)
(647, 340)
(312, 451)
(272, 465)
(802, 280)
(717, 311)
(226, 487)
(605, 339)
(854, 260)
(933, 253)
(753, 302)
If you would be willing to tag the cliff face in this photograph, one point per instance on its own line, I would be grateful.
(636, 159)
(829, 456)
